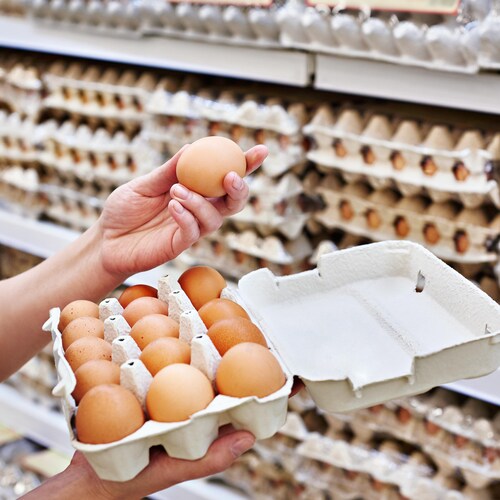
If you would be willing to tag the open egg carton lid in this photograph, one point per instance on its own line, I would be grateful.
(384, 320)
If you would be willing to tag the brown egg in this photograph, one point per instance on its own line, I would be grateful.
(249, 369)
(85, 349)
(218, 309)
(142, 307)
(135, 292)
(153, 327)
(93, 373)
(204, 164)
(85, 326)
(164, 352)
(177, 392)
(202, 284)
(227, 333)
(107, 413)
(77, 309)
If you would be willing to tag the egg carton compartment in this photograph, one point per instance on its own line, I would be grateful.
(21, 86)
(432, 42)
(188, 439)
(452, 233)
(432, 158)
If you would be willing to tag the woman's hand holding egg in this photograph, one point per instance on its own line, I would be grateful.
(153, 218)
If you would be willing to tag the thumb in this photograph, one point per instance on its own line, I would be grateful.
(161, 179)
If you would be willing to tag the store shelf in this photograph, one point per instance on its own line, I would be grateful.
(48, 428)
(474, 92)
(260, 64)
(43, 239)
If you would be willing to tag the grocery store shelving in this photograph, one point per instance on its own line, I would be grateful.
(260, 64)
(49, 429)
(474, 92)
(45, 238)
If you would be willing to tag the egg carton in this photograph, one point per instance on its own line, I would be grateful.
(230, 24)
(444, 45)
(387, 468)
(112, 18)
(347, 286)
(407, 156)
(350, 207)
(476, 475)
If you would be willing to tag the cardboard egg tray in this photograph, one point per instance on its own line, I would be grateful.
(274, 206)
(372, 151)
(446, 218)
(402, 322)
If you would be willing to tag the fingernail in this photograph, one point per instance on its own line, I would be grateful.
(181, 192)
(177, 207)
(237, 182)
(242, 445)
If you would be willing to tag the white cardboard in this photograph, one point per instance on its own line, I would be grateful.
(362, 334)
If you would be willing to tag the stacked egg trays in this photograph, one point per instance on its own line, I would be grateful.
(464, 42)
(188, 439)
(390, 178)
(378, 452)
(269, 230)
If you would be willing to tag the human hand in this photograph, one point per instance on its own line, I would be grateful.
(79, 479)
(152, 219)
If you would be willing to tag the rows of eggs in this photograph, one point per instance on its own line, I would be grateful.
(220, 253)
(452, 437)
(291, 462)
(294, 24)
(406, 133)
(386, 210)
(108, 412)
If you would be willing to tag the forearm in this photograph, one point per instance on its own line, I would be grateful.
(25, 300)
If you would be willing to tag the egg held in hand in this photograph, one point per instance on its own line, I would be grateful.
(218, 309)
(227, 333)
(136, 292)
(202, 284)
(77, 309)
(205, 163)
(153, 327)
(93, 373)
(177, 392)
(107, 413)
(249, 369)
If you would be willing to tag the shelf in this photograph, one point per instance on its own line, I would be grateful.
(48, 428)
(43, 239)
(260, 64)
(476, 92)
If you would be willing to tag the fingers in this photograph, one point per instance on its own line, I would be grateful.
(164, 471)
(208, 217)
(255, 157)
(237, 195)
(188, 231)
(160, 180)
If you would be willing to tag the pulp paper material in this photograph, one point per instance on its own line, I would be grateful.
(379, 337)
